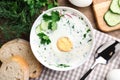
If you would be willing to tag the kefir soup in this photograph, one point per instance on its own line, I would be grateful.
(61, 38)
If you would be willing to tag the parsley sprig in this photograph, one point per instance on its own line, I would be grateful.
(44, 38)
(52, 19)
(63, 65)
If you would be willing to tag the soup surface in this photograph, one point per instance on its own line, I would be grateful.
(68, 43)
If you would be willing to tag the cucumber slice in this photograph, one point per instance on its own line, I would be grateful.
(111, 18)
(114, 7)
(38, 29)
(43, 26)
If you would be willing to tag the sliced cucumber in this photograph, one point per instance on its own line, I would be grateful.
(111, 18)
(43, 26)
(38, 29)
(114, 7)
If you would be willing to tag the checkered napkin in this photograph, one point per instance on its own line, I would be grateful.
(98, 73)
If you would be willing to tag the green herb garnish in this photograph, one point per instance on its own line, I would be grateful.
(63, 65)
(46, 17)
(84, 36)
(52, 19)
(89, 40)
(73, 26)
(88, 30)
(55, 16)
(52, 25)
(44, 38)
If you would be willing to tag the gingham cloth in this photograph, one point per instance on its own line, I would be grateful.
(98, 73)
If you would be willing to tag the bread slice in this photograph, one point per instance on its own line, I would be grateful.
(21, 47)
(99, 1)
(100, 8)
(15, 68)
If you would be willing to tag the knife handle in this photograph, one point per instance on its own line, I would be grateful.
(86, 74)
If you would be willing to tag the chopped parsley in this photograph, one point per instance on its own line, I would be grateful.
(63, 65)
(84, 36)
(89, 40)
(73, 26)
(81, 18)
(44, 38)
(80, 42)
(88, 30)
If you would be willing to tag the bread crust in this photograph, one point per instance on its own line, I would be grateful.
(22, 48)
(24, 65)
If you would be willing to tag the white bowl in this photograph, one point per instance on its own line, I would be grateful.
(58, 60)
(81, 3)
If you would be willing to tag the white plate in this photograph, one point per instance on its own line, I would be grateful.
(49, 55)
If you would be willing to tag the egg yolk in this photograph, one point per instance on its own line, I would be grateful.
(64, 44)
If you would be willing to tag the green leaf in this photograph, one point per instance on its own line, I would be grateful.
(46, 17)
(55, 16)
(17, 17)
(51, 5)
(50, 25)
(44, 38)
(54, 26)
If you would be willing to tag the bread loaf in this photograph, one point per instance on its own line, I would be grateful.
(15, 68)
(21, 47)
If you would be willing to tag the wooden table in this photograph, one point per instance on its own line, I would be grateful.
(88, 11)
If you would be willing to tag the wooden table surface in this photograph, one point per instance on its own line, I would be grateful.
(88, 11)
